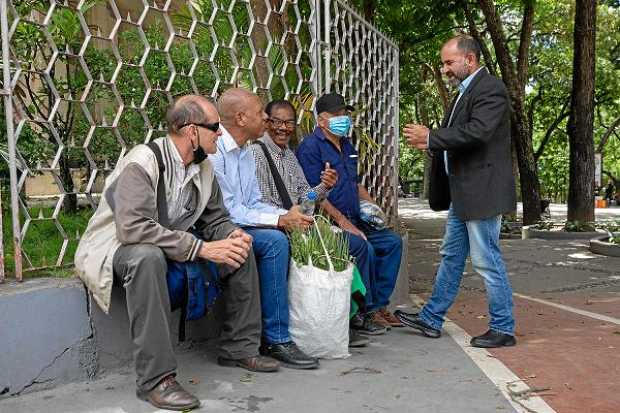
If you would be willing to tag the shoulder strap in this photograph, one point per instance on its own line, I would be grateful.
(162, 205)
(277, 179)
(162, 208)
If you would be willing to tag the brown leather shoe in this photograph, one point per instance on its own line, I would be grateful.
(257, 363)
(390, 318)
(378, 319)
(169, 395)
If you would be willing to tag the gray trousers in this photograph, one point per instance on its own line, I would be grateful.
(142, 268)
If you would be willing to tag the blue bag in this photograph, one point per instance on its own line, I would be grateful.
(187, 288)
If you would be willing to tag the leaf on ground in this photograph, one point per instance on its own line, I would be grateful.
(363, 370)
(247, 378)
(194, 380)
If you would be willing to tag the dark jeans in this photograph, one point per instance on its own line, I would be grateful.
(378, 261)
(141, 269)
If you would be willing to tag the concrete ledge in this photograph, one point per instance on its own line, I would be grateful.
(602, 247)
(400, 295)
(47, 336)
(527, 232)
(111, 332)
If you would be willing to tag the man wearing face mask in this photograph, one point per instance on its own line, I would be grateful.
(243, 119)
(377, 252)
(135, 233)
(471, 177)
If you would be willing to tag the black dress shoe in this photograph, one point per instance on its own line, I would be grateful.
(413, 320)
(169, 395)
(290, 355)
(493, 339)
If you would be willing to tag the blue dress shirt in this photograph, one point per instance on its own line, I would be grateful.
(236, 174)
(314, 151)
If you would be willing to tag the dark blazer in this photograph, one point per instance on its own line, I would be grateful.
(481, 184)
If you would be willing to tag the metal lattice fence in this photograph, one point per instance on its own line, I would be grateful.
(89, 79)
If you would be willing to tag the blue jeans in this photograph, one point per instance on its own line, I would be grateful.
(378, 261)
(480, 240)
(271, 249)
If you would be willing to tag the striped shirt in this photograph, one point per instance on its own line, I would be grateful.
(180, 189)
(290, 171)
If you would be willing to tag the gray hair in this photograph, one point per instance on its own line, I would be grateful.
(467, 44)
(185, 110)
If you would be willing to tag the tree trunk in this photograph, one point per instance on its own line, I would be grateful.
(475, 33)
(521, 133)
(70, 204)
(444, 94)
(370, 8)
(581, 119)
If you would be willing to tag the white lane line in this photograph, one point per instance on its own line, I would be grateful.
(570, 309)
(523, 398)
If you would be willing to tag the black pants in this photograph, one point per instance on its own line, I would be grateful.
(142, 268)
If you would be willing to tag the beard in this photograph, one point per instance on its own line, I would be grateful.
(456, 77)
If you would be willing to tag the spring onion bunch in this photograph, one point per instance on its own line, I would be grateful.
(306, 246)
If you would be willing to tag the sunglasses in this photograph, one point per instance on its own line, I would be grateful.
(213, 127)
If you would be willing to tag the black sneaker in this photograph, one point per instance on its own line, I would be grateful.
(363, 324)
(289, 355)
(357, 340)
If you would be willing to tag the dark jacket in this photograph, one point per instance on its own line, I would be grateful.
(481, 184)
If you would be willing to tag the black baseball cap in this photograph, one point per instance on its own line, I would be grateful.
(331, 102)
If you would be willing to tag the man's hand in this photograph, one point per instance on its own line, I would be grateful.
(294, 218)
(329, 176)
(239, 233)
(230, 251)
(348, 226)
(416, 135)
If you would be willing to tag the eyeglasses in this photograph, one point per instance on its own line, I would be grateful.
(213, 127)
(279, 123)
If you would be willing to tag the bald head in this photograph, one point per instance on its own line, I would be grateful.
(190, 109)
(241, 112)
(465, 44)
(460, 57)
(235, 101)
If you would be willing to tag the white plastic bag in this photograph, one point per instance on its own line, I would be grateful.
(319, 305)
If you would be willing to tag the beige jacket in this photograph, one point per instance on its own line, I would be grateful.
(127, 214)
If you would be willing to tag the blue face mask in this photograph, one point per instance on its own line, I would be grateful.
(340, 125)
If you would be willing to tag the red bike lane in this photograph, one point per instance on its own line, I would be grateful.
(571, 360)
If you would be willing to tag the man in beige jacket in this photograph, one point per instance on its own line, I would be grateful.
(125, 242)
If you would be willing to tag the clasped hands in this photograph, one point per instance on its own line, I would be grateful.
(232, 251)
(416, 135)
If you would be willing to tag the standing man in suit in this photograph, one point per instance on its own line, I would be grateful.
(471, 177)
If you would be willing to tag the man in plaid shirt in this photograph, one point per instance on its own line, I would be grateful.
(280, 129)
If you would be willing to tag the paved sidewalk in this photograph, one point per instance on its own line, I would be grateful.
(567, 352)
(399, 372)
(567, 308)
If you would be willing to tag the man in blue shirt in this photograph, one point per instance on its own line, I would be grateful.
(377, 252)
(242, 119)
